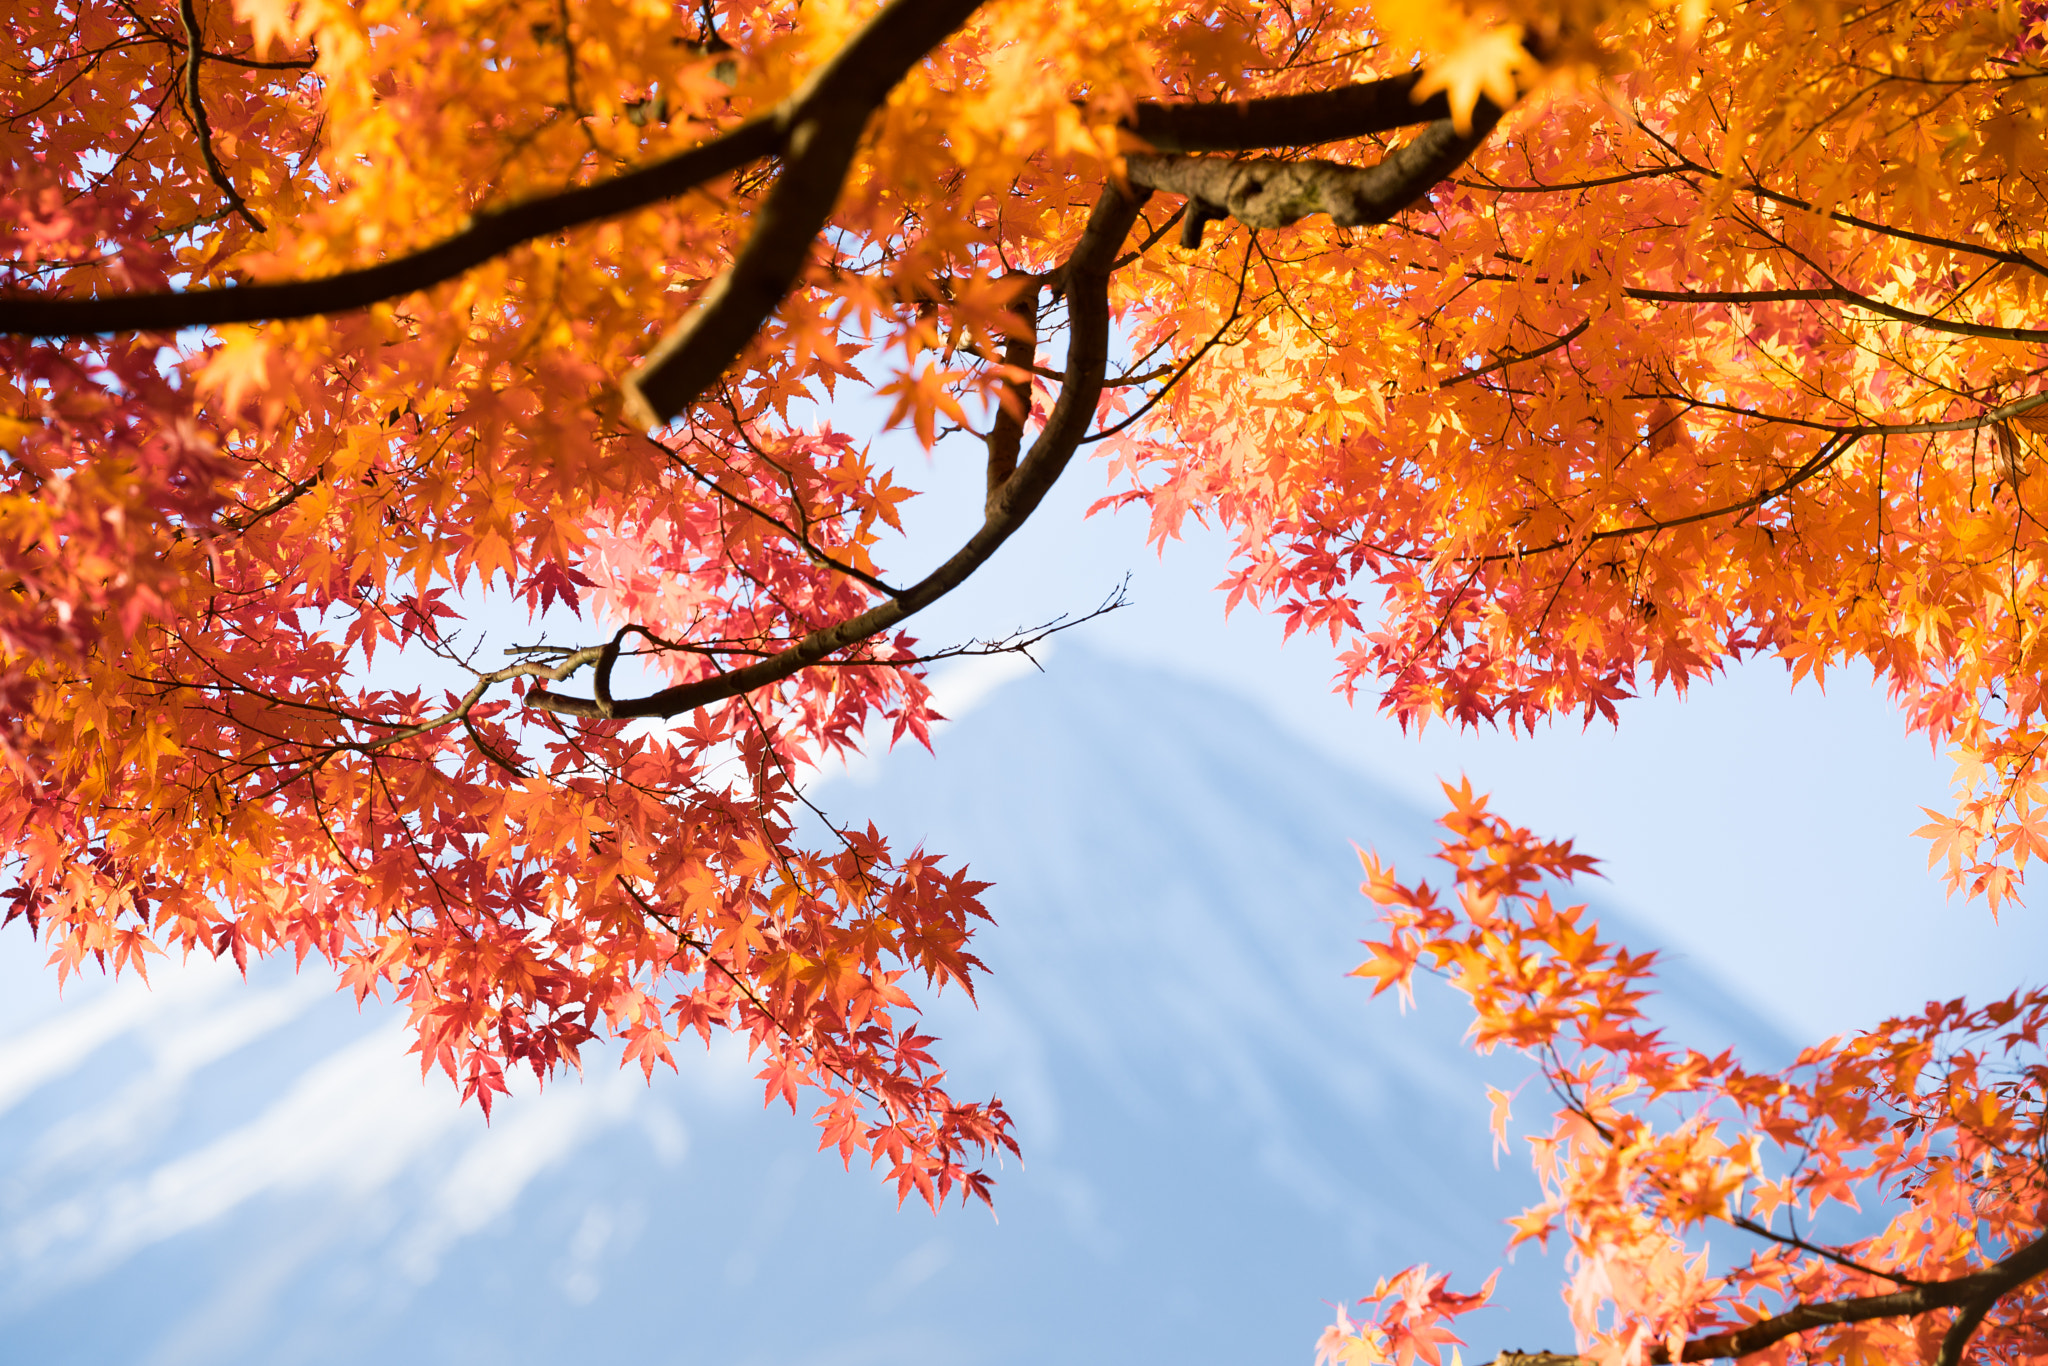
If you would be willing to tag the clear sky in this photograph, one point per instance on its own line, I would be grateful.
(1767, 832)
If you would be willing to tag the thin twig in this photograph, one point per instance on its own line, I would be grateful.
(196, 107)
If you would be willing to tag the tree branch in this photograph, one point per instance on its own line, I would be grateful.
(1017, 642)
(1277, 121)
(1272, 194)
(1839, 294)
(817, 127)
(820, 132)
(798, 535)
(1685, 163)
(1517, 357)
(1976, 1294)
(1020, 355)
(1957, 1340)
(490, 233)
(195, 47)
(1304, 120)
(1748, 1225)
(1086, 278)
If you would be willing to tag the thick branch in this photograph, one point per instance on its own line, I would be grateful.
(1957, 1340)
(490, 233)
(822, 129)
(1272, 194)
(1974, 1293)
(817, 127)
(1020, 355)
(1277, 121)
(1086, 278)
(1304, 120)
(1987, 1286)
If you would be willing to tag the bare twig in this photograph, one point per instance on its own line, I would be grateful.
(1837, 293)
(1517, 357)
(195, 47)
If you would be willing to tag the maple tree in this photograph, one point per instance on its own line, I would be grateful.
(1537, 353)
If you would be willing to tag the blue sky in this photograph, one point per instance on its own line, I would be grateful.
(1766, 832)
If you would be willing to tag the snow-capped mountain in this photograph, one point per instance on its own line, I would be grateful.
(1221, 1130)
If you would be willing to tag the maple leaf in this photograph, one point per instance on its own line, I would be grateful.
(1501, 1100)
(1344, 1343)
(1389, 966)
(1488, 62)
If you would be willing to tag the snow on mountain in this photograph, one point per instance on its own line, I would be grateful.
(1221, 1130)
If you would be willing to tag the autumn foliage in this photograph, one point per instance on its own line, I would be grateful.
(1937, 1120)
(1538, 354)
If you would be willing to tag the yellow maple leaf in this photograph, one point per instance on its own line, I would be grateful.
(1489, 61)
